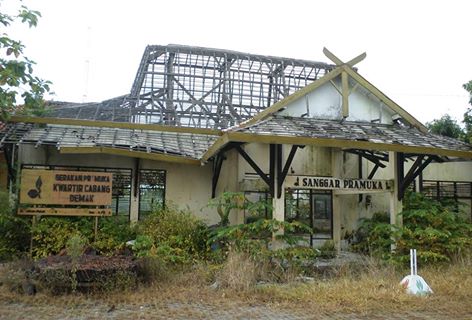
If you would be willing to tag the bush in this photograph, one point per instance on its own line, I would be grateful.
(436, 229)
(50, 235)
(253, 238)
(113, 233)
(14, 230)
(374, 236)
(174, 235)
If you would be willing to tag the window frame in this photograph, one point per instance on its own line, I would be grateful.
(164, 189)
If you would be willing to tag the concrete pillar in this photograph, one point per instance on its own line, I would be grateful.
(337, 172)
(134, 205)
(278, 205)
(396, 206)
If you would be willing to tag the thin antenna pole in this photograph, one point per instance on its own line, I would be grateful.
(412, 271)
(87, 66)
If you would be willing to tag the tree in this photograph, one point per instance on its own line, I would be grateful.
(445, 126)
(468, 114)
(20, 90)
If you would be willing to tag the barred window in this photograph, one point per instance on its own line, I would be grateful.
(152, 190)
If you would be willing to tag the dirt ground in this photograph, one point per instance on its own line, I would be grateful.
(371, 295)
(179, 310)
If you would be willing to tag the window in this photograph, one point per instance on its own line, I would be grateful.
(121, 187)
(458, 191)
(152, 189)
(313, 208)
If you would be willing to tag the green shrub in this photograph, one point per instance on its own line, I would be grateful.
(253, 238)
(225, 203)
(113, 233)
(176, 236)
(50, 235)
(436, 229)
(14, 230)
(375, 235)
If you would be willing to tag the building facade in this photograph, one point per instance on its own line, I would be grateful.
(317, 140)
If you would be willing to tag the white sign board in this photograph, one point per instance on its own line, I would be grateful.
(328, 183)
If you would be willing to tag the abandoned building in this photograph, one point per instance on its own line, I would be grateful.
(318, 140)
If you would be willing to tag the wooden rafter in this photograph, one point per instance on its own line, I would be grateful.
(129, 153)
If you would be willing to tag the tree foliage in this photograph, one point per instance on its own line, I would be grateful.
(468, 114)
(18, 84)
(445, 126)
(438, 230)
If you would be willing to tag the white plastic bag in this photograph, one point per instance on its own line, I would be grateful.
(413, 283)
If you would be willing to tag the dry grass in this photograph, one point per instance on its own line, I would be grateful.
(373, 291)
(377, 289)
(238, 273)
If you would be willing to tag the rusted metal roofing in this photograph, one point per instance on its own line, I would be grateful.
(188, 145)
(374, 133)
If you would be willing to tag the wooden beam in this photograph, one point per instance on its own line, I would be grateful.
(129, 153)
(339, 62)
(418, 168)
(345, 94)
(357, 59)
(411, 171)
(253, 164)
(382, 97)
(400, 162)
(288, 163)
(111, 124)
(218, 163)
(374, 170)
(332, 57)
(343, 143)
(217, 145)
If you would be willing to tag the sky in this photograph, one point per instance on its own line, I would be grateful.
(419, 52)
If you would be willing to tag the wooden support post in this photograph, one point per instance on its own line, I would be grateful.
(360, 174)
(278, 200)
(134, 205)
(395, 171)
(337, 172)
(95, 228)
(272, 166)
(33, 225)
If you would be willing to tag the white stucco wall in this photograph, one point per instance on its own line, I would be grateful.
(187, 186)
(325, 103)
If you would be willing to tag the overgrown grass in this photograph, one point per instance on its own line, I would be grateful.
(372, 290)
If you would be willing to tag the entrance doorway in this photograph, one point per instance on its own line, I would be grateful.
(313, 208)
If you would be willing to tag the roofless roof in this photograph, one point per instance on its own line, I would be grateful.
(187, 103)
(200, 88)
